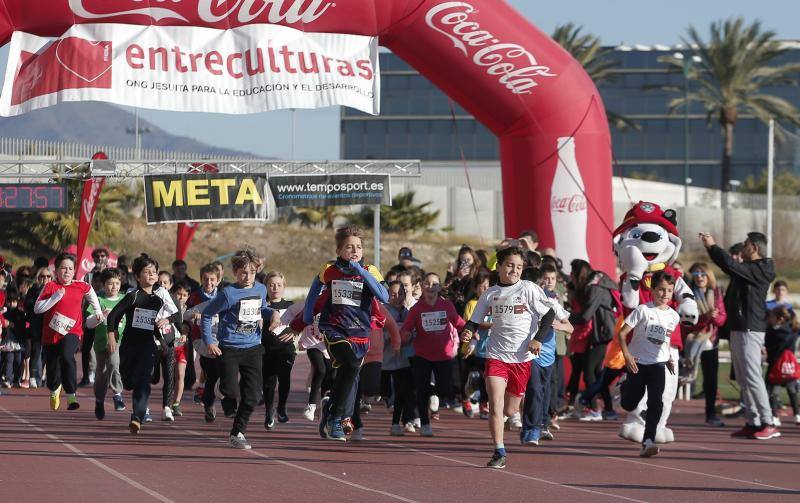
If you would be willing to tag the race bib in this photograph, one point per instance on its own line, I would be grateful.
(346, 293)
(506, 308)
(434, 321)
(656, 332)
(144, 319)
(249, 310)
(61, 323)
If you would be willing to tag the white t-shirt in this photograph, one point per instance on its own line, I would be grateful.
(515, 312)
(652, 328)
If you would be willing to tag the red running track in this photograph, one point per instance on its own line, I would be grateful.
(70, 456)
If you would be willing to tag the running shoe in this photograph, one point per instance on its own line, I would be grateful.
(468, 410)
(546, 435)
(649, 449)
(767, 432)
(239, 442)
(25, 384)
(365, 407)
(426, 430)
(610, 415)
(746, 432)
(534, 436)
(525, 435)
(119, 403)
(458, 408)
(99, 410)
(776, 420)
(797, 419)
(578, 407)
(72, 402)
(335, 431)
(498, 461)
(55, 398)
(433, 403)
(282, 416)
(409, 428)
(134, 426)
(308, 412)
(715, 422)
(210, 413)
(484, 410)
(591, 415)
(358, 435)
(167, 416)
(515, 421)
(147, 417)
(33, 384)
(324, 416)
(397, 430)
(198, 394)
(176, 410)
(269, 422)
(417, 422)
(347, 426)
(91, 377)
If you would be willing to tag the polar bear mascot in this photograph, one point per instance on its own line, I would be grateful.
(648, 241)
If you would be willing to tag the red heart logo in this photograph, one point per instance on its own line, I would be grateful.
(86, 59)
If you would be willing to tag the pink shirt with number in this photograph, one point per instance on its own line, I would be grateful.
(66, 317)
(434, 326)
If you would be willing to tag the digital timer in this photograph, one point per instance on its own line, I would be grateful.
(38, 197)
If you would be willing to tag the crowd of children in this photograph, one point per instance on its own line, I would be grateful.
(488, 340)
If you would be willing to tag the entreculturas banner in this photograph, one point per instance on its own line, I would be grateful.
(205, 197)
(330, 190)
(243, 70)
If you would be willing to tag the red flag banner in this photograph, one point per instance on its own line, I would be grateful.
(185, 235)
(89, 201)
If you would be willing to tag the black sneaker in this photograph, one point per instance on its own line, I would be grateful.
(269, 422)
(210, 413)
(99, 410)
(497, 462)
(119, 403)
(282, 416)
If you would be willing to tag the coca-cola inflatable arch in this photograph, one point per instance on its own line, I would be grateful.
(517, 81)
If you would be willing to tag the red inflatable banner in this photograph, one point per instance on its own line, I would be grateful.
(554, 139)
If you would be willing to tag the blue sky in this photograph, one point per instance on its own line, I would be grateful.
(615, 21)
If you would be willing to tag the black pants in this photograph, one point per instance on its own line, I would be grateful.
(320, 375)
(369, 382)
(276, 370)
(12, 361)
(190, 376)
(137, 360)
(166, 370)
(211, 369)
(61, 367)
(537, 397)
(36, 358)
(650, 378)
(240, 380)
(593, 365)
(578, 362)
(404, 399)
(601, 387)
(709, 364)
(557, 386)
(442, 371)
(86, 353)
(347, 369)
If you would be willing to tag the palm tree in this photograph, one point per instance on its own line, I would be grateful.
(402, 216)
(590, 53)
(736, 70)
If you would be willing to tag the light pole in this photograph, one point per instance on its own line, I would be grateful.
(687, 66)
(137, 132)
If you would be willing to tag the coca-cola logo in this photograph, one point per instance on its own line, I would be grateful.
(89, 204)
(515, 65)
(209, 11)
(569, 204)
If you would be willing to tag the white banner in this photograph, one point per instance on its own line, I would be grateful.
(249, 69)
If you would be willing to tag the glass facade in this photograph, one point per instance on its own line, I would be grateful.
(416, 123)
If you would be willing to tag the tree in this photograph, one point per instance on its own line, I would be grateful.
(402, 216)
(323, 217)
(590, 53)
(736, 69)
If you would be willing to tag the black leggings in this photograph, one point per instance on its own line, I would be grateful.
(347, 369)
(276, 370)
(650, 378)
(442, 371)
(166, 368)
(404, 399)
(321, 375)
(61, 366)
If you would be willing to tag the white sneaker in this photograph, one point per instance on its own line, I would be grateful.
(358, 435)
(33, 384)
(91, 377)
(797, 419)
(409, 428)
(649, 449)
(426, 430)
(458, 409)
(776, 420)
(308, 412)
(239, 442)
(516, 421)
(433, 403)
(397, 430)
(416, 422)
(577, 407)
(167, 415)
(591, 415)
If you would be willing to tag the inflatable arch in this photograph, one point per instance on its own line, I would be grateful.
(555, 144)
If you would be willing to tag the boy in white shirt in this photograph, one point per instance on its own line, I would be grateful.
(652, 325)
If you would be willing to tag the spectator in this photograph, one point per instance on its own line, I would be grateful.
(781, 291)
(459, 277)
(405, 258)
(179, 274)
(746, 310)
(128, 279)
(736, 252)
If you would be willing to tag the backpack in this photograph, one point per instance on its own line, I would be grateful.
(785, 369)
(605, 319)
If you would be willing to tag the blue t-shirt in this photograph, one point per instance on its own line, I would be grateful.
(547, 355)
(772, 304)
(240, 311)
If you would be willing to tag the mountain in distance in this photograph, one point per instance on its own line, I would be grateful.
(101, 124)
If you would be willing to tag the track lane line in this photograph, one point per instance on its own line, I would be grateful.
(155, 494)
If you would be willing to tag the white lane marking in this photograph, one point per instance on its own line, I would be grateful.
(106, 468)
(254, 452)
(514, 474)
